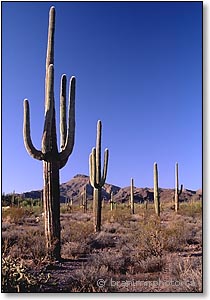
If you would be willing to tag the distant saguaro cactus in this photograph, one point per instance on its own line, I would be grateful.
(177, 191)
(53, 160)
(132, 197)
(156, 192)
(111, 201)
(13, 199)
(84, 199)
(97, 177)
(145, 204)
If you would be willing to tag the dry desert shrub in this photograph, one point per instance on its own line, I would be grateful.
(76, 231)
(176, 235)
(119, 215)
(102, 240)
(24, 242)
(91, 279)
(74, 237)
(188, 272)
(191, 209)
(15, 215)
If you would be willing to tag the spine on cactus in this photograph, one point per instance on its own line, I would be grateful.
(132, 197)
(53, 160)
(97, 177)
(156, 192)
(177, 191)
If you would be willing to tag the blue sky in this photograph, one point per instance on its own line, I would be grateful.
(138, 67)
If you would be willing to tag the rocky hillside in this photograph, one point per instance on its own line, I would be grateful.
(74, 188)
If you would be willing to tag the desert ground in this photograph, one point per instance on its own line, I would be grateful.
(138, 252)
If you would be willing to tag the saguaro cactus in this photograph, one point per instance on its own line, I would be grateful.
(84, 199)
(177, 191)
(53, 160)
(111, 201)
(132, 197)
(97, 178)
(13, 199)
(156, 192)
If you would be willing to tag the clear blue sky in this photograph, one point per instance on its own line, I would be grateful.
(138, 67)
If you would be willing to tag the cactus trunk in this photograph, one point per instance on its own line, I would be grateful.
(111, 202)
(156, 192)
(97, 208)
(132, 198)
(51, 197)
(53, 160)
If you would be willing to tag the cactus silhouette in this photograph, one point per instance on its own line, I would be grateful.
(53, 160)
(177, 191)
(97, 178)
(156, 192)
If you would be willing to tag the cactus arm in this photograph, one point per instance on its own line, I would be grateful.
(27, 135)
(49, 107)
(93, 169)
(106, 157)
(69, 144)
(63, 128)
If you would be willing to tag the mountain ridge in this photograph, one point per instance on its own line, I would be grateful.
(75, 186)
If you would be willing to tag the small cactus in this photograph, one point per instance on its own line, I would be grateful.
(97, 178)
(156, 192)
(177, 191)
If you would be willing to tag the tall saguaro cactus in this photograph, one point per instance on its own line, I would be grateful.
(156, 192)
(132, 197)
(53, 160)
(177, 191)
(97, 177)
